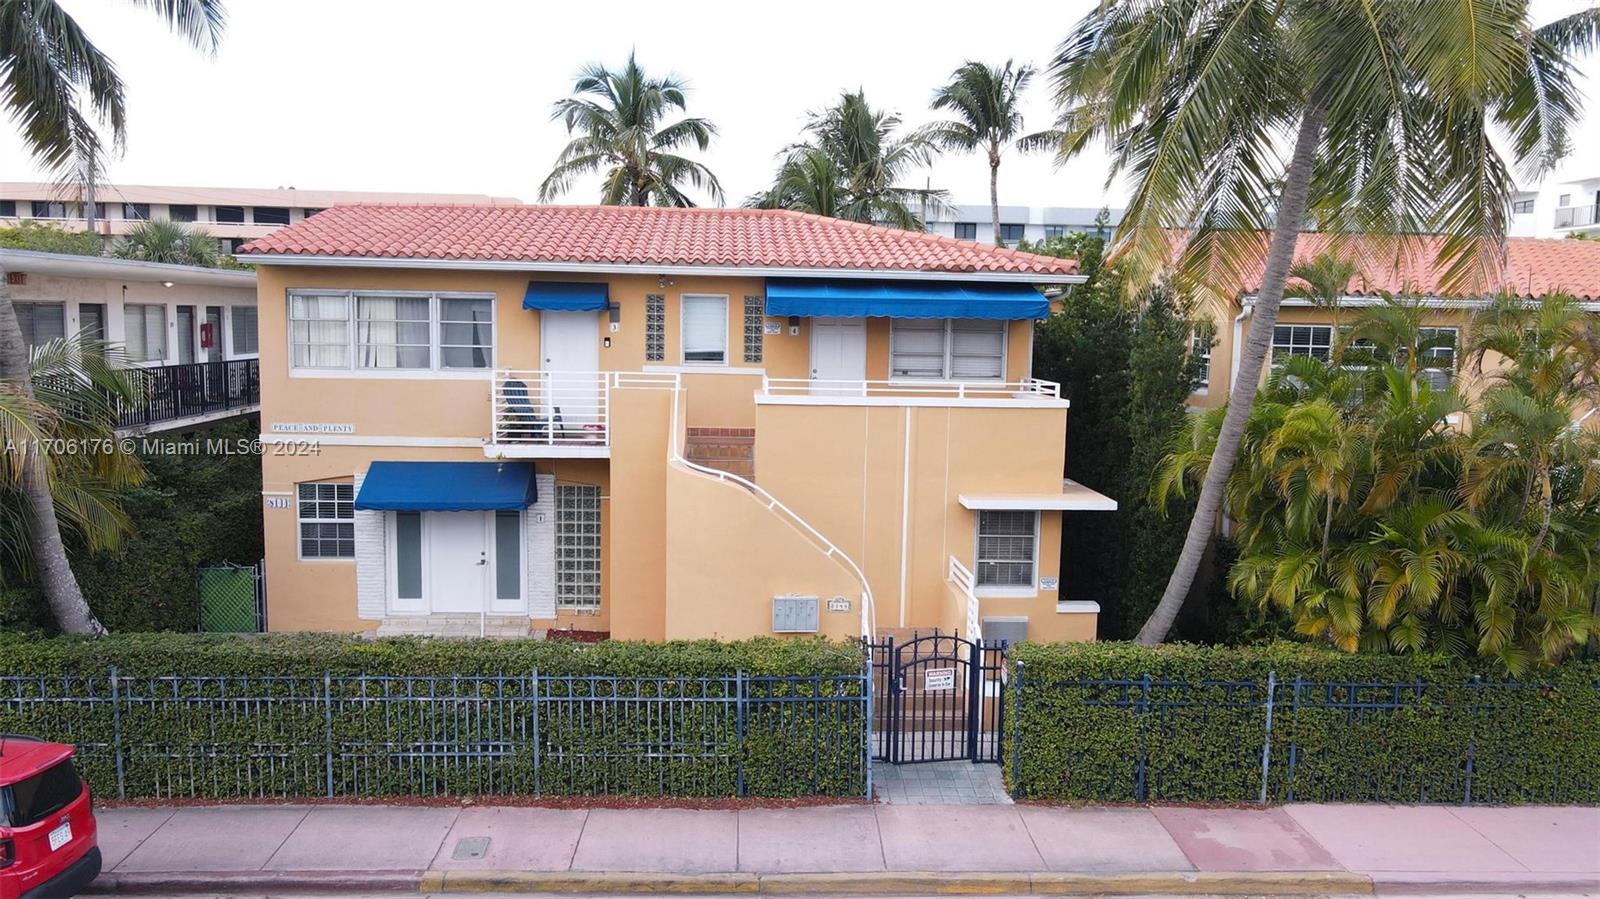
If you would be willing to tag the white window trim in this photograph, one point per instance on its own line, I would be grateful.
(435, 368)
(299, 544)
(683, 320)
(949, 346)
(169, 318)
(1203, 387)
(1027, 592)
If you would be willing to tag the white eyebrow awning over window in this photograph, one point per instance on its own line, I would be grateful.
(1074, 497)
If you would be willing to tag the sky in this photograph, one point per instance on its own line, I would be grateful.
(454, 96)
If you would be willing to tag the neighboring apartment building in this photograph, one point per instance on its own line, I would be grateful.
(657, 423)
(190, 331)
(230, 214)
(1557, 209)
(1034, 223)
(1533, 267)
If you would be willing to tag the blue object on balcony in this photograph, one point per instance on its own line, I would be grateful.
(567, 296)
(851, 298)
(447, 486)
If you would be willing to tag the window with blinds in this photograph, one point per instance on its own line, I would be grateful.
(947, 349)
(1006, 548)
(246, 338)
(144, 327)
(705, 329)
(41, 322)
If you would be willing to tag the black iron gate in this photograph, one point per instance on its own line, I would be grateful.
(938, 697)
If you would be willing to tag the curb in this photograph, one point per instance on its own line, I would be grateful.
(876, 883)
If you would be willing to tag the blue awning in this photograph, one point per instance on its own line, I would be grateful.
(447, 486)
(848, 298)
(567, 296)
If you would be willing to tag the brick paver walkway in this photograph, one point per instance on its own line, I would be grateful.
(939, 783)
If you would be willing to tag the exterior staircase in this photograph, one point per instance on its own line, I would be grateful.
(732, 450)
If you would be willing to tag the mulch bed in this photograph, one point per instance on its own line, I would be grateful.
(562, 802)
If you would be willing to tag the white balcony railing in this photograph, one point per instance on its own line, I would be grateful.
(961, 582)
(1025, 389)
(1577, 216)
(559, 409)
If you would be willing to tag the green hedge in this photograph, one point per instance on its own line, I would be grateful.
(215, 716)
(1084, 725)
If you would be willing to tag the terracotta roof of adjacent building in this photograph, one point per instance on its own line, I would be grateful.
(1531, 267)
(630, 235)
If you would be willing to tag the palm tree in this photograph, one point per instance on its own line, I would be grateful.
(167, 241)
(78, 383)
(850, 165)
(1388, 113)
(62, 90)
(986, 102)
(618, 119)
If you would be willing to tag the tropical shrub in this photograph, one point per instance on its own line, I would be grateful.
(260, 716)
(45, 238)
(1385, 512)
(1115, 722)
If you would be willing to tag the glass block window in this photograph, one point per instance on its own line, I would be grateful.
(1006, 547)
(577, 547)
(755, 319)
(326, 516)
(655, 328)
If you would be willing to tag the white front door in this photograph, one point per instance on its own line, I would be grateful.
(571, 359)
(838, 353)
(458, 561)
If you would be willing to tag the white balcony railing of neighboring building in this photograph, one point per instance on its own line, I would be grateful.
(1577, 216)
(1025, 389)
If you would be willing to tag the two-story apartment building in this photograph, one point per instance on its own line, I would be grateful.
(657, 423)
(1532, 268)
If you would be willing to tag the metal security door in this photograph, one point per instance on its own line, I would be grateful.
(938, 698)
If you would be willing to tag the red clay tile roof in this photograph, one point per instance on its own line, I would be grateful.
(639, 236)
(1532, 267)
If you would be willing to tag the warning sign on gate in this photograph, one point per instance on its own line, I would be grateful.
(939, 679)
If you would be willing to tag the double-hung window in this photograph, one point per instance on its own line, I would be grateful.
(705, 329)
(326, 517)
(144, 329)
(1200, 345)
(1315, 341)
(390, 331)
(1007, 549)
(947, 349)
(41, 322)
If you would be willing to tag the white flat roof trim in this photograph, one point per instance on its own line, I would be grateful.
(1021, 402)
(70, 265)
(628, 268)
(1074, 497)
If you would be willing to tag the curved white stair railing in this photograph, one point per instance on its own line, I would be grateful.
(776, 506)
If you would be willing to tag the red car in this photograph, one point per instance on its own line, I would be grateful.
(48, 843)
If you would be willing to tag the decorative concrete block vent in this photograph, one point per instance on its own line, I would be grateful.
(732, 450)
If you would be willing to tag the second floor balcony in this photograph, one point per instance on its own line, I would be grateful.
(1577, 216)
(173, 396)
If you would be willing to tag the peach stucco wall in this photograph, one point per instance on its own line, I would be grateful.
(683, 555)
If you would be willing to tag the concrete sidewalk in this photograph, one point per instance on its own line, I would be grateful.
(1298, 849)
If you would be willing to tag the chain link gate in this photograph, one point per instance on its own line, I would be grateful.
(938, 697)
(233, 599)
